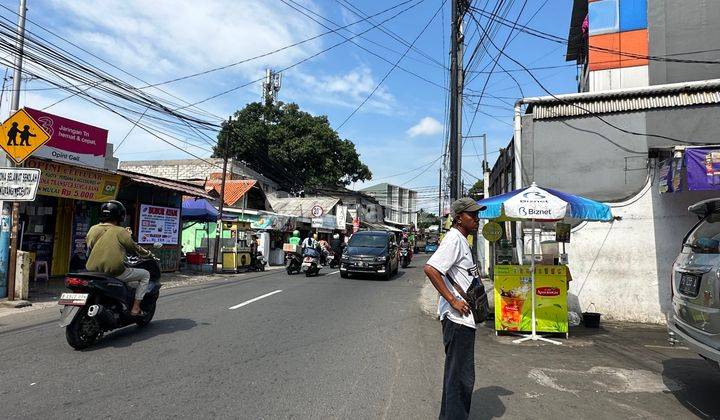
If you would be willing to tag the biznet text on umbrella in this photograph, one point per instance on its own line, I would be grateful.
(534, 212)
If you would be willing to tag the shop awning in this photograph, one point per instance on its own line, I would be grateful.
(185, 188)
(380, 226)
(200, 210)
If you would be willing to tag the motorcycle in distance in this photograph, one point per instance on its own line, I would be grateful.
(404, 257)
(293, 262)
(311, 262)
(100, 303)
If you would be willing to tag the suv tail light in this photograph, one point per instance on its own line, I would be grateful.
(75, 282)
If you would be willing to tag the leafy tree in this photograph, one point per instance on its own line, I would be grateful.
(426, 219)
(476, 192)
(296, 149)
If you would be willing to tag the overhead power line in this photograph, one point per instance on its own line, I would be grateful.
(310, 57)
(593, 114)
(387, 74)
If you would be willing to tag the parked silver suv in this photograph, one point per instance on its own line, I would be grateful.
(695, 317)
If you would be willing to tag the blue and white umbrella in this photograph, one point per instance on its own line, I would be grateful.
(542, 205)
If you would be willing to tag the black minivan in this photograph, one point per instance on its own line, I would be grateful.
(370, 252)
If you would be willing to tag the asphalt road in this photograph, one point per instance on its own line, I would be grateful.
(327, 347)
(323, 347)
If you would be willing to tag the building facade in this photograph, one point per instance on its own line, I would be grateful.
(638, 109)
(400, 203)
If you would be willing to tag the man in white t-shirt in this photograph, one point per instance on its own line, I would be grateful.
(453, 260)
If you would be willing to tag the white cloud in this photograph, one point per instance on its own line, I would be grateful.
(346, 90)
(427, 126)
(157, 37)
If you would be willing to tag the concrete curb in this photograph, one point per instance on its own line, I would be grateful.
(20, 303)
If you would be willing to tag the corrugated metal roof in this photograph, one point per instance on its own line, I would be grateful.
(300, 206)
(624, 100)
(184, 187)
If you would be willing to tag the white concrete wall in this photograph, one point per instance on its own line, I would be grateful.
(624, 267)
(627, 77)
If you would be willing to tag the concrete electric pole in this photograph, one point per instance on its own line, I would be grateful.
(219, 228)
(456, 88)
(8, 256)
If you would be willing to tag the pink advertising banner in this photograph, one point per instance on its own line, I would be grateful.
(71, 141)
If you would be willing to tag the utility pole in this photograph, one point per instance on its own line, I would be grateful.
(218, 231)
(486, 194)
(440, 202)
(15, 105)
(456, 87)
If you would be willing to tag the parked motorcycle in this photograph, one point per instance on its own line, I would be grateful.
(258, 264)
(293, 262)
(100, 303)
(311, 262)
(404, 257)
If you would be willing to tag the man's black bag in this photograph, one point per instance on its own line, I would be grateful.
(476, 298)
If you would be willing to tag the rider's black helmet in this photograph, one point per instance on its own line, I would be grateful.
(112, 211)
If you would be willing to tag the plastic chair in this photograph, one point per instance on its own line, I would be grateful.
(44, 275)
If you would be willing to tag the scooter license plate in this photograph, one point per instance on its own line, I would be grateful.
(73, 299)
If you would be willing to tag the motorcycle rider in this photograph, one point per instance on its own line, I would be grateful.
(336, 244)
(109, 243)
(309, 242)
(295, 238)
(405, 244)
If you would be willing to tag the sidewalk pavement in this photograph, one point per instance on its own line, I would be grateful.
(620, 370)
(47, 294)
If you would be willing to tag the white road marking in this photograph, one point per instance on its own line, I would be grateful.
(247, 302)
(334, 272)
(603, 379)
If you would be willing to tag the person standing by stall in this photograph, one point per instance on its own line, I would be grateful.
(453, 260)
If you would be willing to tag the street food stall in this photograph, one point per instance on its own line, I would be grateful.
(238, 255)
(531, 293)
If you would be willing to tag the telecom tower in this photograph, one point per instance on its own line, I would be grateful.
(271, 86)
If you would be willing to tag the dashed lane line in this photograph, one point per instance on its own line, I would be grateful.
(247, 302)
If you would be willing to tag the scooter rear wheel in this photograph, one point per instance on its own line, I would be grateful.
(83, 331)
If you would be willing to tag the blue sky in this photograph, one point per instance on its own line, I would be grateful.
(398, 129)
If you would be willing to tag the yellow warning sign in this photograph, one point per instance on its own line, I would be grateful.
(21, 136)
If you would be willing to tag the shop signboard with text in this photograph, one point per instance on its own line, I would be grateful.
(71, 141)
(158, 224)
(513, 300)
(66, 181)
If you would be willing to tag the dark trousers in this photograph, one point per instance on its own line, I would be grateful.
(459, 378)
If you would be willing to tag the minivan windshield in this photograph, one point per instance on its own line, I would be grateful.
(368, 241)
(705, 239)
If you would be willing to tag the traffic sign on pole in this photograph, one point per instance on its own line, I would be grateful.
(19, 184)
(21, 136)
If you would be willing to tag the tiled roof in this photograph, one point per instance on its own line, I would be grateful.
(235, 189)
